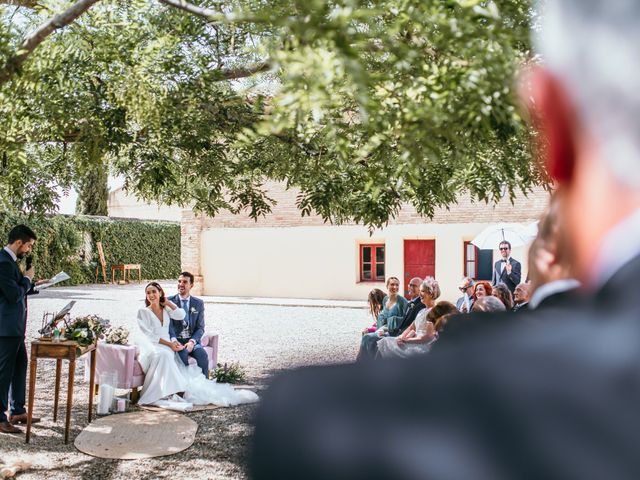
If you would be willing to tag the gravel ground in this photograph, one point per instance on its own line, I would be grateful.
(265, 339)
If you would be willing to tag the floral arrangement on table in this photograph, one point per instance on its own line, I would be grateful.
(117, 336)
(229, 373)
(87, 329)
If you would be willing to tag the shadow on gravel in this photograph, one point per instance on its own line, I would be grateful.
(65, 294)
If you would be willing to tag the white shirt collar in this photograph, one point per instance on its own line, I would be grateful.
(10, 252)
(188, 299)
(619, 247)
(552, 288)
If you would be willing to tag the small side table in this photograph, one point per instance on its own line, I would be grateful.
(65, 350)
(126, 271)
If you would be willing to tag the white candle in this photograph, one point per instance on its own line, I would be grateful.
(106, 397)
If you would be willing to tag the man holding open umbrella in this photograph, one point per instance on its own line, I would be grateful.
(507, 270)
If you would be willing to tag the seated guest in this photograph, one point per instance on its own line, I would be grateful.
(417, 337)
(375, 301)
(465, 302)
(414, 306)
(521, 297)
(488, 303)
(502, 293)
(440, 314)
(482, 289)
(392, 313)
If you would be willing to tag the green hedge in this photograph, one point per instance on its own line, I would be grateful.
(69, 243)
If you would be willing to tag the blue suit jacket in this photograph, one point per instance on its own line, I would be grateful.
(14, 287)
(195, 317)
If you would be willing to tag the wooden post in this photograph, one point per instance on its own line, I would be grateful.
(103, 263)
(57, 389)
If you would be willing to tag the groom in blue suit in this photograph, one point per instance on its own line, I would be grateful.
(190, 330)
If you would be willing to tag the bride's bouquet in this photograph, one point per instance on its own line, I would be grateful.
(117, 336)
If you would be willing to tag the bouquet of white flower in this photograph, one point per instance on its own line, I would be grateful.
(117, 336)
(86, 330)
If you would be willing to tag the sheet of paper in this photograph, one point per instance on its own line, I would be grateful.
(60, 277)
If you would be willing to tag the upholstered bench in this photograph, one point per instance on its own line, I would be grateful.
(121, 360)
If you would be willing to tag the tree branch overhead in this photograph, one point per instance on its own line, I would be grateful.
(35, 38)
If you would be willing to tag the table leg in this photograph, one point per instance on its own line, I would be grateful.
(32, 389)
(92, 381)
(139, 276)
(57, 389)
(113, 275)
(67, 421)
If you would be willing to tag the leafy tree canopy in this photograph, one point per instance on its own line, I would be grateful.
(361, 105)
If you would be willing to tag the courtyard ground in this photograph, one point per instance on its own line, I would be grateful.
(265, 335)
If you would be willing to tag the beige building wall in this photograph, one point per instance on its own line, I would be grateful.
(323, 262)
(286, 255)
(123, 205)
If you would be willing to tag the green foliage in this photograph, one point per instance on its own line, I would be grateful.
(69, 243)
(229, 373)
(87, 330)
(93, 191)
(369, 105)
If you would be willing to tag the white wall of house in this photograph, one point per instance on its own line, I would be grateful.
(124, 205)
(322, 262)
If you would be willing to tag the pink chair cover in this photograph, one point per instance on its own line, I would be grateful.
(122, 360)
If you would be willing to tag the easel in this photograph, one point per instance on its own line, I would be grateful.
(103, 263)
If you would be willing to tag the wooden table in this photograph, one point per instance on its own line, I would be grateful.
(65, 350)
(126, 271)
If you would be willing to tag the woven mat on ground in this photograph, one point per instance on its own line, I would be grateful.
(143, 434)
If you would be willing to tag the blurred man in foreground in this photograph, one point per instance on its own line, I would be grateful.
(554, 394)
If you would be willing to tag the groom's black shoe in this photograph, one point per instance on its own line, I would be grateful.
(22, 418)
(6, 427)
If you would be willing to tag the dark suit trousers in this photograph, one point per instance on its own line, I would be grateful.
(198, 353)
(13, 375)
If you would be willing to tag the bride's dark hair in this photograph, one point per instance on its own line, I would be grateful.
(157, 286)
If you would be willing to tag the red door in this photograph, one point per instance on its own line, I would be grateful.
(419, 260)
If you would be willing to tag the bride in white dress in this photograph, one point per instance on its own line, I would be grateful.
(165, 374)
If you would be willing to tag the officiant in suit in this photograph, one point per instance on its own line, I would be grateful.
(554, 394)
(189, 331)
(14, 287)
(507, 270)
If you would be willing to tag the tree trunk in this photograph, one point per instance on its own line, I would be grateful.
(93, 191)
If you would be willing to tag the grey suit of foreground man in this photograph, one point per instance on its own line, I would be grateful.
(550, 394)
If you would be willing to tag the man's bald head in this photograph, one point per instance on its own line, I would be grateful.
(521, 293)
(414, 287)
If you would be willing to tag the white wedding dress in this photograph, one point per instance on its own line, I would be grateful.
(166, 375)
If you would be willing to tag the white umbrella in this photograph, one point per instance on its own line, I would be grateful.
(532, 229)
(514, 233)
